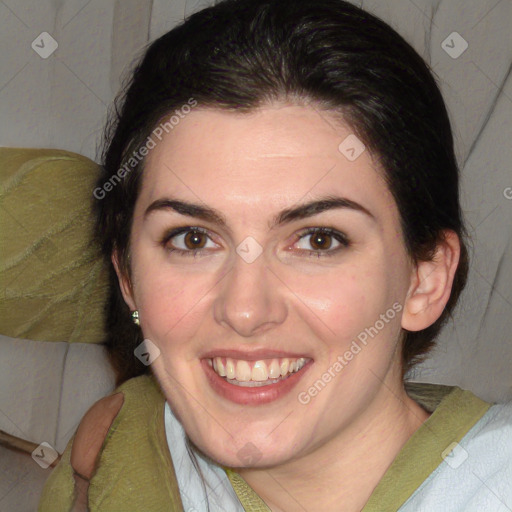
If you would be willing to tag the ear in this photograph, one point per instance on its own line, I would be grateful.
(124, 282)
(431, 285)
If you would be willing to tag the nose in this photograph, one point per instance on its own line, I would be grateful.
(251, 299)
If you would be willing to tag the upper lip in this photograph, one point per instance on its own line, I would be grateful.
(251, 355)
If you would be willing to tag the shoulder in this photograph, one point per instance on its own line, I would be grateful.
(120, 441)
(130, 400)
(479, 474)
(492, 435)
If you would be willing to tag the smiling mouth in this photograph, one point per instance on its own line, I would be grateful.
(259, 373)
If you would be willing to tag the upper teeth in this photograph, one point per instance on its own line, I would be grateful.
(259, 371)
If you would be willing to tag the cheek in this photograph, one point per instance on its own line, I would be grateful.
(342, 302)
(172, 314)
(170, 301)
(333, 305)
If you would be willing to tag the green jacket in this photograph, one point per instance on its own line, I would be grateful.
(136, 473)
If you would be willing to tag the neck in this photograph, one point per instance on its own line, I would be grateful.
(346, 468)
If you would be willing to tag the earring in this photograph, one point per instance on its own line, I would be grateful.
(135, 317)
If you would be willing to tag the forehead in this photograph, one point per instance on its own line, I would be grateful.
(269, 158)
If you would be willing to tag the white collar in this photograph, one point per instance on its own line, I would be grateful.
(219, 495)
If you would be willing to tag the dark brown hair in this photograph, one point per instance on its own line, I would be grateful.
(240, 55)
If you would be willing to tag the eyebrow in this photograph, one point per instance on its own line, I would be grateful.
(286, 216)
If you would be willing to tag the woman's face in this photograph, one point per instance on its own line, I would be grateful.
(258, 245)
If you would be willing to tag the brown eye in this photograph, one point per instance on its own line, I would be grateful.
(194, 240)
(321, 241)
(188, 241)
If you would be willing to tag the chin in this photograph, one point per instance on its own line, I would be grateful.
(248, 455)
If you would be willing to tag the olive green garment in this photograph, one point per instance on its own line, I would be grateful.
(454, 412)
(136, 472)
(53, 279)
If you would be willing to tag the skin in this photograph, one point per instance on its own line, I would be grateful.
(249, 167)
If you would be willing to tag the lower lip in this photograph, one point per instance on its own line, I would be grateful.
(252, 396)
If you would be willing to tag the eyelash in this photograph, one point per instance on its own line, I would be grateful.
(339, 237)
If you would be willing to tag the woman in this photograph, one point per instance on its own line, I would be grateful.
(280, 206)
